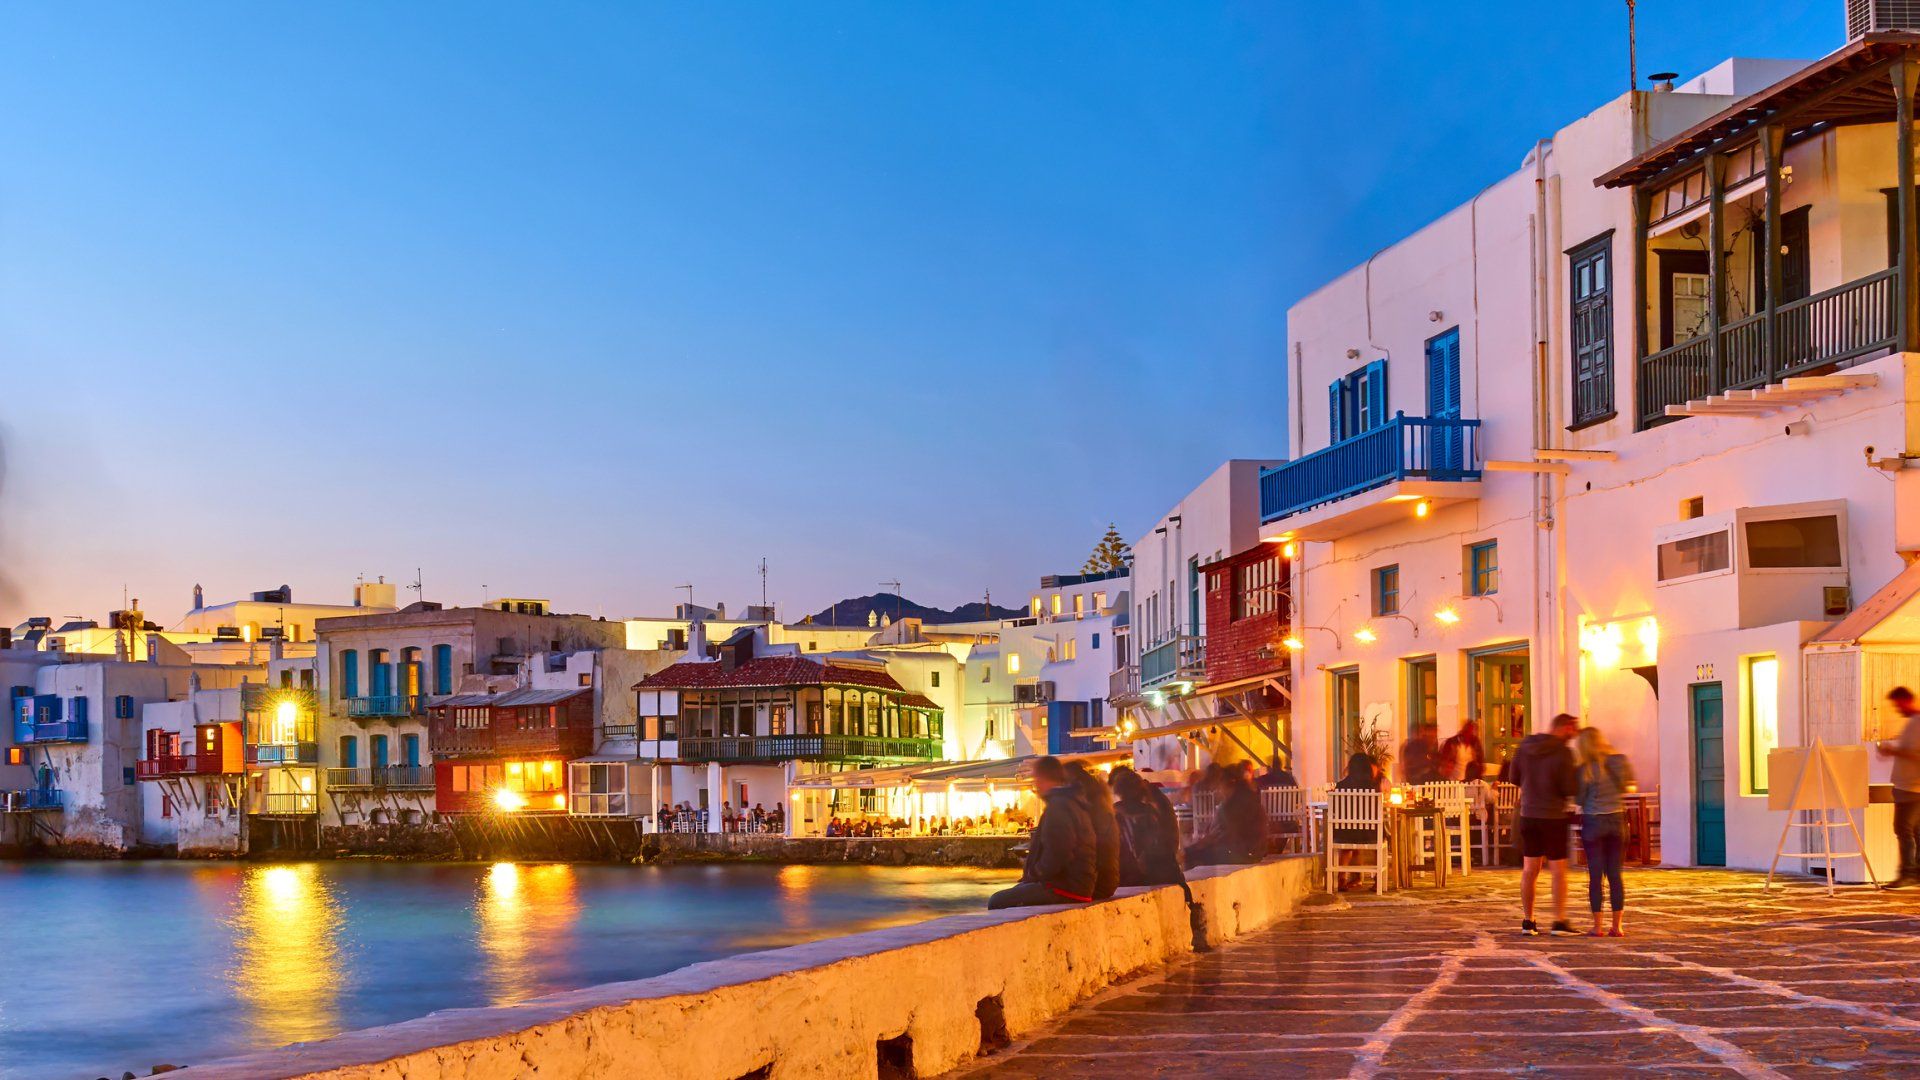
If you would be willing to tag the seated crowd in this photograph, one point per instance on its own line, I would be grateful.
(684, 817)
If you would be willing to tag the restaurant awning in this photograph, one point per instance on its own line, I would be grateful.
(1000, 772)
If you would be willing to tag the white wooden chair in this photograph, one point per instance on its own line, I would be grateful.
(1288, 819)
(1500, 816)
(1456, 802)
(1355, 812)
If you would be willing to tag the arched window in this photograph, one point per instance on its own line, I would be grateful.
(350, 674)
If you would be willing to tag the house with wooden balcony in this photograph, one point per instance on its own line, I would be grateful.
(1625, 435)
(508, 752)
(732, 730)
(192, 773)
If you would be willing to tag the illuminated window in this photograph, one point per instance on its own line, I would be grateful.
(1100, 601)
(1036, 607)
(1763, 719)
(1079, 603)
(1013, 663)
(16, 755)
(1070, 649)
(1054, 603)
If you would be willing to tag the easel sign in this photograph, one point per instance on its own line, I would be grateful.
(1827, 780)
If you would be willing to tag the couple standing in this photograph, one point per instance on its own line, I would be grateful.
(1565, 766)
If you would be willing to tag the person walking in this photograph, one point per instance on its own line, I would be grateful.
(1420, 756)
(1543, 767)
(1106, 831)
(1605, 776)
(1904, 749)
(1060, 851)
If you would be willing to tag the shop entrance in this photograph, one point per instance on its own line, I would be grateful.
(1502, 697)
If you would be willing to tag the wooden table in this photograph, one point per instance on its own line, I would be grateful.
(1405, 824)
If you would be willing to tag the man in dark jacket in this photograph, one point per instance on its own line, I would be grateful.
(1098, 799)
(1543, 767)
(1060, 851)
(1239, 831)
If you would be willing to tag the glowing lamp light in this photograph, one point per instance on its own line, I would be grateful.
(1650, 636)
(1446, 616)
(1289, 549)
(509, 800)
(559, 802)
(1365, 635)
(1422, 508)
(286, 713)
(1397, 797)
(1293, 644)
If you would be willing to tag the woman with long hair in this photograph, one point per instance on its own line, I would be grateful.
(1605, 777)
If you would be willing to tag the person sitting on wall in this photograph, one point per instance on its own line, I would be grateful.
(1060, 853)
(1106, 831)
(1149, 832)
(1239, 830)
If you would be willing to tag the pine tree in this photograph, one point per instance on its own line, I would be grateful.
(1111, 553)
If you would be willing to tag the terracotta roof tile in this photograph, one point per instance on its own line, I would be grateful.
(764, 671)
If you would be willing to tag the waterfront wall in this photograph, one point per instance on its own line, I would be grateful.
(917, 1000)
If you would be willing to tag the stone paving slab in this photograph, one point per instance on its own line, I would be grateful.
(1717, 978)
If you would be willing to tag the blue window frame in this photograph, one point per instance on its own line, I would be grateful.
(1483, 568)
(123, 707)
(350, 674)
(1357, 402)
(1096, 641)
(1386, 590)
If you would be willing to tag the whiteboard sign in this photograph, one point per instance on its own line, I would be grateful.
(1848, 765)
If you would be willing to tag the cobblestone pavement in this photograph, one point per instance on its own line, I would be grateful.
(1716, 978)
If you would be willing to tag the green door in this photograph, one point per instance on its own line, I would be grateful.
(1502, 693)
(1709, 775)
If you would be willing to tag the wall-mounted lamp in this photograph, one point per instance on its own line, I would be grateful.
(1295, 642)
(1435, 316)
(1353, 354)
(1498, 615)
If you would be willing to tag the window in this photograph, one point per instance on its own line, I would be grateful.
(1386, 590)
(16, 755)
(1053, 603)
(443, 669)
(1256, 588)
(349, 752)
(1790, 542)
(1070, 649)
(1079, 604)
(1035, 607)
(1013, 663)
(936, 679)
(123, 707)
(1483, 569)
(1100, 601)
(1763, 719)
(1357, 402)
(1592, 314)
(986, 672)
(1095, 643)
(1692, 555)
(1693, 507)
(350, 674)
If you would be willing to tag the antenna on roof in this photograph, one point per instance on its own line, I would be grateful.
(689, 589)
(896, 596)
(763, 582)
(418, 587)
(1633, 59)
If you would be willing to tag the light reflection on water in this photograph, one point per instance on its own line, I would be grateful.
(138, 963)
(286, 960)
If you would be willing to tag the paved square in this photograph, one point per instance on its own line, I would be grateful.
(1716, 978)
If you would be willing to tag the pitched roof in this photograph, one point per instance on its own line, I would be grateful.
(765, 671)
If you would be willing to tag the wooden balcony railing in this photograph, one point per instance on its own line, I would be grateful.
(1827, 329)
(1180, 657)
(808, 748)
(391, 777)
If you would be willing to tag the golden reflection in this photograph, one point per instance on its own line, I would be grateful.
(526, 917)
(286, 970)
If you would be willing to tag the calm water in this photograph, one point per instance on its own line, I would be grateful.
(118, 966)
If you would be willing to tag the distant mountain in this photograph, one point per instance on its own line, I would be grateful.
(854, 611)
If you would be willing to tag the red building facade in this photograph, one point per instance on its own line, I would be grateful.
(1248, 614)
(508, 751)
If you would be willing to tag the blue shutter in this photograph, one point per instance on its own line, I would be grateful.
(79, 712)
(1336, 416)
(1443, 376)
(1375, 377)
(350, 674)
(443, 669)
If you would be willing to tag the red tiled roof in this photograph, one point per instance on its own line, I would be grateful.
(919, 701)
(764, 671)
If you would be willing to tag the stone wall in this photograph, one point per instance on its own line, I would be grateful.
(922, 998)
(985, 851)
(394, 840)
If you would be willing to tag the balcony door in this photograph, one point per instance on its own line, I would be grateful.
(1684, 290)
(1443, 402)
(1502, 697)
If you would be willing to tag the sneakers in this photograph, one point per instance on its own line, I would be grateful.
(1528, 928)
(1563, 929)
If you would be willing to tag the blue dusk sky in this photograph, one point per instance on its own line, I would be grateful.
(589, 301)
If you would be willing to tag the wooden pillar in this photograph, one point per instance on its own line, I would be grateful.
(1907, 319)
(1637, 266)
(1716, 266)
(1772, 146)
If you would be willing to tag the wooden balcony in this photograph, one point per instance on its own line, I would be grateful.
(1180, 657)
(774, 748)
(1822, 332)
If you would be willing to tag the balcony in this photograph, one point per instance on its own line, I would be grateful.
(288, 804)
(1409, 458)
(774, 748)
(30, 800)
(386, 706)
(302, 753)
(1756, 357)
(384, 777)
(156, 768)
(50, 731)
(1183, 656)
(1123, 683)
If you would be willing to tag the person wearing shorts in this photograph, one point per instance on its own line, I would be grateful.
(1543, 767)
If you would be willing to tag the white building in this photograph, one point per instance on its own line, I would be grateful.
(1586, 446)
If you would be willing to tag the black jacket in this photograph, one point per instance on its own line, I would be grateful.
(1061, 853)
(1149, 843)
(1106, 848)
(1239, 829)
(1543, 767)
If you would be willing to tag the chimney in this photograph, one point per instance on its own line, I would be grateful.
(1663, 81)
(199, 598)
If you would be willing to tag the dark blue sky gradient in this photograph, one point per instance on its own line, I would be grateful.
(588, 301)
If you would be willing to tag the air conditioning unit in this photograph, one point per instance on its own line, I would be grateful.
(1033, 693)
(1867, 16)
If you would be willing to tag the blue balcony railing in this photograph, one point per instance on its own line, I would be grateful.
(387, 705)
(1180, 657)
(300, 753)
(20, 802)
(1404, 448)
(49, 731)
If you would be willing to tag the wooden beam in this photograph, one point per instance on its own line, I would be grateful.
(1772, 149)
(1907, 322)
(1716, 265)
(1555, 468)
(1561, 453)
